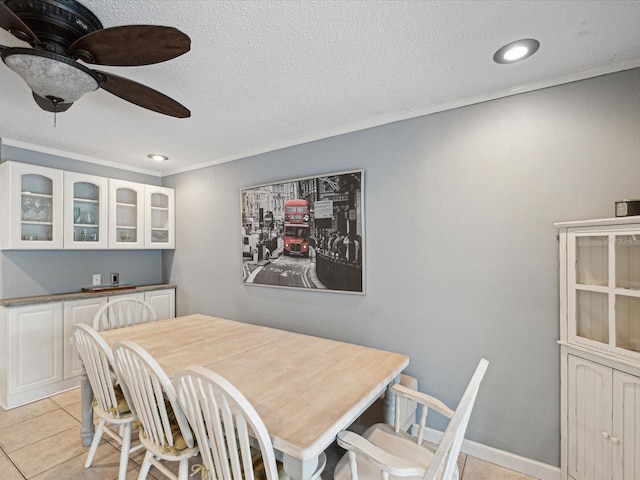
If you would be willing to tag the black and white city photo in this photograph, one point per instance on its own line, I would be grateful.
(305, 233)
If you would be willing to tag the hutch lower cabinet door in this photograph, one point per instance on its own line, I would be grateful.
(77, 311)
(163, 302)
(32, 358)
(626, 426)
(603, 422)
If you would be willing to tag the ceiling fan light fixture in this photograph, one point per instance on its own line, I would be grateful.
(50, 75)
(157, 157)
(516, 51)
(64, 32)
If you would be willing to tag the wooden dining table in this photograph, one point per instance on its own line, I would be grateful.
(306, 389)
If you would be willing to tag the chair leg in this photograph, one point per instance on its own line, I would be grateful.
(125, 432)
(183, 469)
(146, 465)
(97, 436)
(322, 462)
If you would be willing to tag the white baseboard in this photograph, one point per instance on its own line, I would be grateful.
(508, 460)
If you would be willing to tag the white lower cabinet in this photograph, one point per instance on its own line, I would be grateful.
(31, 362)
(625, 436)
(163, 302)
(603, 417)
(37, 354)
(77, 311)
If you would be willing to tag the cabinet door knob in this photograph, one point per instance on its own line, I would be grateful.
(606, 435)
(615, 440)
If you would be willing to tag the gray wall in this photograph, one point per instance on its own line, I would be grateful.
(25, 273)
(461, 253)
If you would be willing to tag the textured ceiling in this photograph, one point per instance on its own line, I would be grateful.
(263, 75)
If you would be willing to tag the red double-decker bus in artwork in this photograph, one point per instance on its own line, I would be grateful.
(296, 227)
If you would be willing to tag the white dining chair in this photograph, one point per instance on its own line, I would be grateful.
(384, 451)
(224, 423)
(123, 312)
(109, 405)
(164, 430)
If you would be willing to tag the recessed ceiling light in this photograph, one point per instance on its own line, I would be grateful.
(158, 158)
(516, 51)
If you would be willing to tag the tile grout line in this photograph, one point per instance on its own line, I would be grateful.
(43, 438)
(13, 463)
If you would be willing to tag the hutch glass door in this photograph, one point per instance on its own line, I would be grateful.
(604, 291)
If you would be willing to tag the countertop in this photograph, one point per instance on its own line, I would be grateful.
(61, 297)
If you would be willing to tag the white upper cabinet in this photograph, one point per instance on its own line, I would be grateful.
(31, 207)
(126, 214)
(86, 211)
(159, 217)
(45, 208)
(603, 288)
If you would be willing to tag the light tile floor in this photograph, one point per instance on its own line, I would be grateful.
(41, 441)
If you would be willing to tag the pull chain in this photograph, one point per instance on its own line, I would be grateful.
(55, 101)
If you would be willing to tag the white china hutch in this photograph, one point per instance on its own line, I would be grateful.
(44, 208)
(600, 348)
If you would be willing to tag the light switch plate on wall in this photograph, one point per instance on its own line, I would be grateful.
(97, 279)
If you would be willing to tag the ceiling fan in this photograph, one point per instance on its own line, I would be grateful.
(61, 32)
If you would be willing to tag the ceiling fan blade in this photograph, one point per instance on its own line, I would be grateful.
(12, 23)
(143, 96)
(131, 45)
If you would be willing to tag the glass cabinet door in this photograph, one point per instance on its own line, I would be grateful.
(126, 214)
(604, 291)
(35, 217)
(592, 279)
(86, 213)
(159, 217)
(627, 290)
